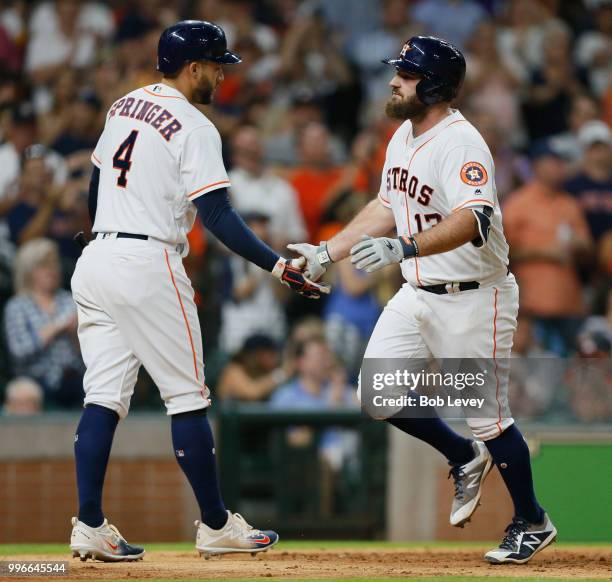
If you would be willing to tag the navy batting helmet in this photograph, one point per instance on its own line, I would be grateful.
(192, 40)
(440, 65)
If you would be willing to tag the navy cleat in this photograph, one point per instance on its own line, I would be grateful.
(522, 541)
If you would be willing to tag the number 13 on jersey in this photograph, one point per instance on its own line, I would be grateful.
(122, 160)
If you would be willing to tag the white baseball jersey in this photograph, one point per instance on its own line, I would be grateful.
(425, 179)
(156, 155)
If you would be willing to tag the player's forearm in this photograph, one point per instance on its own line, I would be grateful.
(224, 222)
(374, 220)
(456, 230)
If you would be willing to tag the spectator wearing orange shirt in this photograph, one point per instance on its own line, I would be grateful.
(318, 182)
(548, 233)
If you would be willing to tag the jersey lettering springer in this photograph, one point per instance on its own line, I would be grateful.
(426, 179)
(156, 155)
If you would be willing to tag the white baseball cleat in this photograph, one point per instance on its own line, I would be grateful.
(235, 536)
(469, 479)
(103, 543)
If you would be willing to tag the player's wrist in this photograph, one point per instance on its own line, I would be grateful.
(322, 254)
(410, 247)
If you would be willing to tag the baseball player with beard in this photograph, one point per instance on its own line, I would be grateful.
(459, 300)
(158, 162)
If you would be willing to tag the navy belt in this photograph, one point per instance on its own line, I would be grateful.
(128, 235)
(445, 288)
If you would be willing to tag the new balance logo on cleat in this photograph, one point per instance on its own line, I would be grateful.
(522, 541)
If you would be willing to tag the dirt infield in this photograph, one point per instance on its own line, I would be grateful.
(575, 563)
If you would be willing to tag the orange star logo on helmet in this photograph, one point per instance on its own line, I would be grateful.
(405, 49)
(474, 174)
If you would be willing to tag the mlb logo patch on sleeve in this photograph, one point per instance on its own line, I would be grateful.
(474, 174)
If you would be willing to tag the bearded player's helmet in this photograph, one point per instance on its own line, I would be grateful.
(439, 65)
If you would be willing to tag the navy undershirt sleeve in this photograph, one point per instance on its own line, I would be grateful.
(92, 201)
(218, 216)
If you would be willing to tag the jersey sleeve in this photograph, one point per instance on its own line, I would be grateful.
(383, 192)
(202, 168)
(466, 176)
(96, 155)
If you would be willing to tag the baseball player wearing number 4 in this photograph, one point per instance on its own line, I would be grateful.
(157, 162)
(459, 300)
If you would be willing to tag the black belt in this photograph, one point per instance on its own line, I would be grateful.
(127, 235)
(444, 288)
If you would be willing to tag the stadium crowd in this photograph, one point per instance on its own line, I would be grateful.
(304, 136)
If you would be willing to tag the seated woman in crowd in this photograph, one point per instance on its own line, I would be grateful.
(254, 372)
(40, 324)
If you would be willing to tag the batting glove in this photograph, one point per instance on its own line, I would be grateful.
(290, 273)
(372, 254)
(317, 258)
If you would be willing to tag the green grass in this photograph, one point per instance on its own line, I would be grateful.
(47, 549)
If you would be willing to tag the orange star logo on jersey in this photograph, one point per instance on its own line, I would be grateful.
(474, 174)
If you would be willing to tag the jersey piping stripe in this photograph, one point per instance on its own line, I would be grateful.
(178, 295)
(96, 158)
(470, 201)
(209, 186)
(495, 361)
(163, 96)
(386, 202)
(416, 261)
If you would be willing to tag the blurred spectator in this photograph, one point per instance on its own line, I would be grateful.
(594, 49)
(522, 41)
(317, 180)
(21, 133)
(254, 372)
(311, 61)
(350, 313)
(453, 20)
(40, 325)
(592, 186)
(386, 41)
(536, 374)
(24, 397)
(490, 87)
(252, 304)
(547, 233)
(552, 86)
(589, 378)
(282, 143)
(320, 382)
(64, 34)
(239, 22)
(83, 128)
(254, 188)
(511, 169)
(42, 208)
(583, 109)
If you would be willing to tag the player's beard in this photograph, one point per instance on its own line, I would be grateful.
(203, 94)
(409, 108)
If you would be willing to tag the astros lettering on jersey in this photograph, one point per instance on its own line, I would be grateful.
(425, 179)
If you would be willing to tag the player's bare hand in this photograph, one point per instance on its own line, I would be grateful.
(290, 273)
(310, 254)
(372, 254)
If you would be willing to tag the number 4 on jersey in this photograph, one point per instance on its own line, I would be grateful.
(122, 160)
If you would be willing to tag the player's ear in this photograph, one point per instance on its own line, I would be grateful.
(193, 67)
